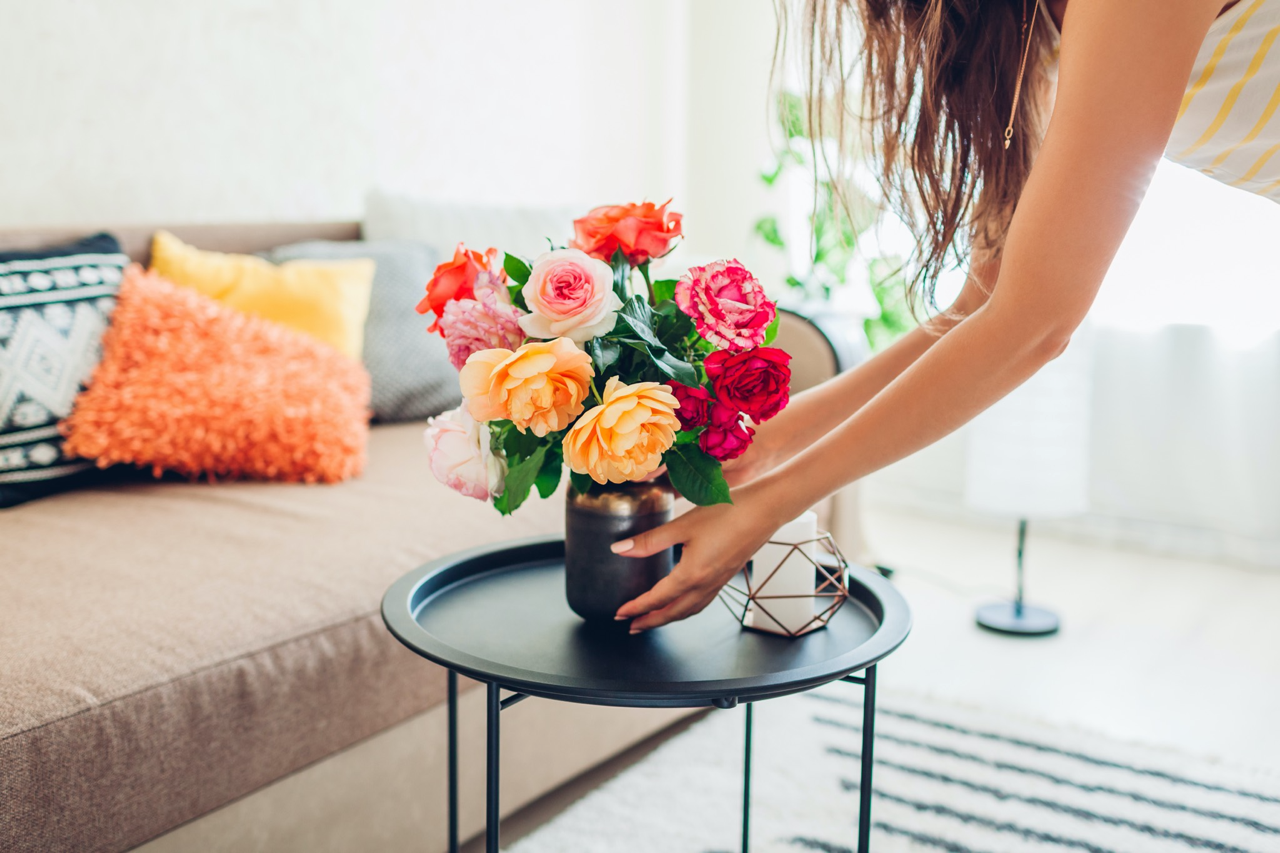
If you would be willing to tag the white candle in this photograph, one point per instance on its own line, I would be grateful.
(795, 576)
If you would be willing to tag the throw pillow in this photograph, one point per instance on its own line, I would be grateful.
(189, 385)
(54, 307)
(410, 370)
(328, 300)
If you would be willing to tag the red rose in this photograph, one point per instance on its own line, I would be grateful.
(456, 279)
(726, 436)
(642, 231)
(695, 405)
(756, 381)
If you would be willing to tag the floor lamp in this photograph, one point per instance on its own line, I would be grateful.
(1028, 459)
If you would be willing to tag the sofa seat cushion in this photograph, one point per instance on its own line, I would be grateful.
(168, 647)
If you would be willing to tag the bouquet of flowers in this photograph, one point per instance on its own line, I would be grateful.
(578, 358)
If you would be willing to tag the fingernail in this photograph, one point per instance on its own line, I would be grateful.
(623, 546)
(635, 631)
(619, 618)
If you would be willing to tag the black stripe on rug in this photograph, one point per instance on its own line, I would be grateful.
(1045, 748)
(1192, 841)
(921, 838)
(1137, 797)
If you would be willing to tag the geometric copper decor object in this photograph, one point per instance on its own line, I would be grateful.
(830, 570)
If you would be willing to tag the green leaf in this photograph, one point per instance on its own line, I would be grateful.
(520, 479)
(517, 268)
(635, 320)
(681, 371)
(621, 274)
(518, 446)
(549, 475)
(767, 229)
(604, 354)
(664, 289)
(696, 475)
(688, 436)
(771, 331)
(581, 482)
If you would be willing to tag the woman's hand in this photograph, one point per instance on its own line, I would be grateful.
(764, 454)
(718, 541)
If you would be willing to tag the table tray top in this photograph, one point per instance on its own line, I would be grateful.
(498, 614)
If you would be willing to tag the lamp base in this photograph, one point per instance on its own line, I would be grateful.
(1006, 617)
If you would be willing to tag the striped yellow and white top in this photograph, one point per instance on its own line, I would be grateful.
(1227, 126)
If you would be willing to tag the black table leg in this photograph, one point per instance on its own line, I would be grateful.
(453, 762)
(868, 742)
(491, 775)
(746, 786)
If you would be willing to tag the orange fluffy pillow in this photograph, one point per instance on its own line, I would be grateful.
(188, 385)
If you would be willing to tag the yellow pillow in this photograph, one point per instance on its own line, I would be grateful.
(328, 300)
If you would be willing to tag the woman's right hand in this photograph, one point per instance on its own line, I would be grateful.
(764, 454)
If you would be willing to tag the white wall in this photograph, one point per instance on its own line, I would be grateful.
(143, 111)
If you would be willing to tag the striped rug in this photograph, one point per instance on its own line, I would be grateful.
(946, 779)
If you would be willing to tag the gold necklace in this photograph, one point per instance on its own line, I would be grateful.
(1022, 69)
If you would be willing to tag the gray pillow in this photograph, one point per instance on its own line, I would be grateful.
(410, 369)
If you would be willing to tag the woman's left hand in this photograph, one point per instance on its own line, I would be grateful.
(718, 541)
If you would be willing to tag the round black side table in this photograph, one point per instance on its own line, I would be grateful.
(498, 614)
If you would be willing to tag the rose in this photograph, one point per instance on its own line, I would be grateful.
(623, 438)
(726, 436)
(461, 456)
(757, 381)
(538, 387)
(695, 405)
(570, 294)
(727, 304)
(488, 321)
(641, 231)
(455, 279)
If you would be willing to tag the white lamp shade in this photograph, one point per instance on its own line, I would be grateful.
(1028, 455)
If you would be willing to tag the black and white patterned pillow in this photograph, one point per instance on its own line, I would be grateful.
(54, 306)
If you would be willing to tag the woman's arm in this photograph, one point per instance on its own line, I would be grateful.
(1123, 70)
(814, 413)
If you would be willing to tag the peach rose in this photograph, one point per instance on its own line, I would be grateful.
(641, 231)
(623, 439)
(570, 294)
(540, 386)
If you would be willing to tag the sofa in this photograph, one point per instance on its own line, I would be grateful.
(202, 666)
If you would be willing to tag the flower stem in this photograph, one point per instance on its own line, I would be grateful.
(648, 285)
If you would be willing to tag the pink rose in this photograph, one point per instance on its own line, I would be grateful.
(727, 304)
(461, 457)
(570, 295)
(726, 436)
(489, 321)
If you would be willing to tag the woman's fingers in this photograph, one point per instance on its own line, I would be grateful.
(694, 601)
(664, 592)
(651, 541)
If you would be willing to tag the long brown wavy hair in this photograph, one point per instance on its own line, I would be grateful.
(929, 106)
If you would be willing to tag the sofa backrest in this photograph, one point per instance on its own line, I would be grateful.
(242, 238)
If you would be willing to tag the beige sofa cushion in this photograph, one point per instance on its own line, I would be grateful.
(166, 648)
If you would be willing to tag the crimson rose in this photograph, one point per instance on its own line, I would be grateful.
(726, 436)
(695, 405)
(756, 381)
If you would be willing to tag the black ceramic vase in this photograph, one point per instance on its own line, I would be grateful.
(598, 581)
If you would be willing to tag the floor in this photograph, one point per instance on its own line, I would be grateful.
(1153, 650)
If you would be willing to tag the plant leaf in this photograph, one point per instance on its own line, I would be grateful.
(664, 289)
(635, 320)
(549, 475)
(767, 229)
(688, 436)
(520, 479)
(604, 354)
(581, 482)
(696, 475)
(621, 274)
(518, 446)
(681, 371)
(517, 268)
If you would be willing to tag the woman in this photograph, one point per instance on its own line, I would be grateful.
(1040, 215)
